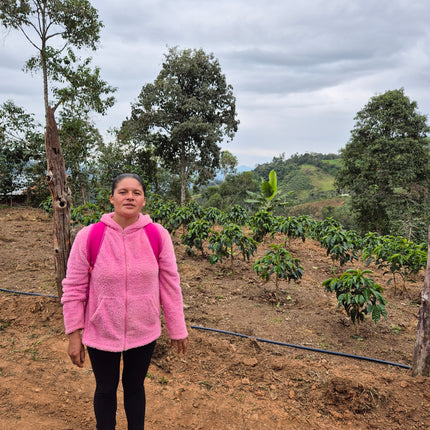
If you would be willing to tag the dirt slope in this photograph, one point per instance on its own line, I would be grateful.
(225, 382)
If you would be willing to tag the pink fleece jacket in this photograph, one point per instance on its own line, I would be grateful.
(126, 289)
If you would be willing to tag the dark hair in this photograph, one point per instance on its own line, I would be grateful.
(119, 178)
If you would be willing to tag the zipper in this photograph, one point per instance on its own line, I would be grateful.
(125, 293)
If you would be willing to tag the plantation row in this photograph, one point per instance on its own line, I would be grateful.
(220, 236)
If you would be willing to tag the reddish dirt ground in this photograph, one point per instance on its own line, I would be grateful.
(224, 382)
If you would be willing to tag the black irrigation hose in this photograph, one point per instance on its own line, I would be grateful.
(324, 351)
(27, 294)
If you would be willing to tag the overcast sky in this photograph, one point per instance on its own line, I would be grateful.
(300, 70)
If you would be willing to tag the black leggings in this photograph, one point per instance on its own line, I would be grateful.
(106, 366)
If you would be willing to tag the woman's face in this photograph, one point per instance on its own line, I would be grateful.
(128, 198)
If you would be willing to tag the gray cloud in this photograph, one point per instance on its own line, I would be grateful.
(300, 70)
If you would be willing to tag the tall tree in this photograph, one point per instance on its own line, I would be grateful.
(21, 142)
(228, 163)
(185, 114)
(386, 163)
(79, 140)
(53, 28)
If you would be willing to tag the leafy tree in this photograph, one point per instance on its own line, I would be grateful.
(386, 163)
(228, 163)
(233, 191)
(21, 144)
(124, 155)
(80, 139)
(53, 28)
(185, 114)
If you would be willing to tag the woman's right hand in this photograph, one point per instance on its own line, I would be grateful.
(76, 349)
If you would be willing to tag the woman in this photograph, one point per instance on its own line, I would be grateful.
(117, 306)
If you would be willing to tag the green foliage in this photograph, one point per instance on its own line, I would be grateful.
(359, 295)
(88, 213)
(262, 223)
(213, 215)
(76, 24)
(79, 140)
(161, 211)
(278, 261)
(228, 163)
(309, 176)
(319, 229)
(198, 232)
(46, 205)
(233, 191)
(185, 114)
(21, 147)
(386, 165)
(342, 245)
(292, 227)
(341, 212)
(223, 244)
(236, 215)
(183, 216)
(269, 198)
(397, 254)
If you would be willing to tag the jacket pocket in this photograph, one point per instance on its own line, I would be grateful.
(107, 322)
(143, 316)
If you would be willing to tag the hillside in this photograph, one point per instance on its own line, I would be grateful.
(225, 381)
(309, 176)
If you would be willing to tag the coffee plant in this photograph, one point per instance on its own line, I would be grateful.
(262, 223)
(359, 295)
(86, 214)
(400, 256)
(278, 261)
(198, 232)
(236, 215)
(213, 216)
(291, 227)
(341, 245)
(223, 244)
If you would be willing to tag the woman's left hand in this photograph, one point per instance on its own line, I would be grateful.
(181, 345)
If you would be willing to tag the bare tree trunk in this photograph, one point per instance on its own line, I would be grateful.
(61, 200)
(183, 179)
(421, 360)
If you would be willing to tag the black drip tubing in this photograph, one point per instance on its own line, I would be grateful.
(27, 294)
(324, 351)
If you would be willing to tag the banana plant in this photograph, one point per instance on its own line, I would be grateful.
(270, 198)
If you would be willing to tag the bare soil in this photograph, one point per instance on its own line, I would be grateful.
(225, 381)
